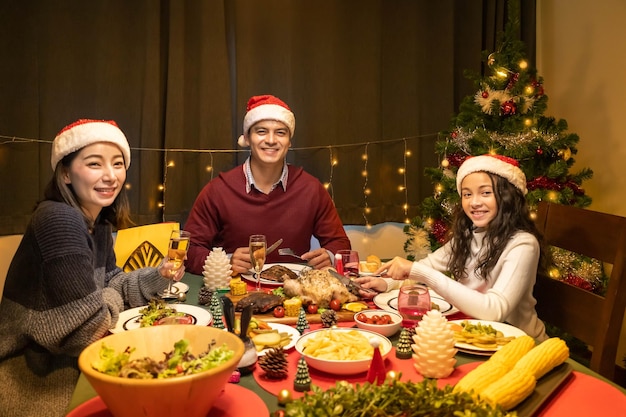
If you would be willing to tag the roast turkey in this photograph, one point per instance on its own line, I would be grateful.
(317, 287)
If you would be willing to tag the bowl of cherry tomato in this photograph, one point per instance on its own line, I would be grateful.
(386, 323)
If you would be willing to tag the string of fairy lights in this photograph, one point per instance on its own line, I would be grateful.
(333, 161)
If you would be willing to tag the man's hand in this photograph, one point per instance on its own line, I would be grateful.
(240, 261)
(318, 258)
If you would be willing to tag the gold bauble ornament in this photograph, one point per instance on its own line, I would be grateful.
(491, 59)
(445, 163)
(391, 376)
(284, 396)
(565, 153)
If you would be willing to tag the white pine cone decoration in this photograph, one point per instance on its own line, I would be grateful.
(433, 350)
(217, 269)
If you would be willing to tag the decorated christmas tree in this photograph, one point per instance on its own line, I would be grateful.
(506, 116)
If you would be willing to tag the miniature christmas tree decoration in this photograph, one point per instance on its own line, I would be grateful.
(376, 372)
(216, 311)
(302, 323)
(403, 348)
(434, 346)
(303, 379)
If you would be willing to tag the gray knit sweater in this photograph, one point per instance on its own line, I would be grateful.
(63, 291)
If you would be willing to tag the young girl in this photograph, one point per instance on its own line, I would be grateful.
(493, 253)
(63, 290)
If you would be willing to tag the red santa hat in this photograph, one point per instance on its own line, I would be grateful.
(496, 164)
(266, 107)
(84, 132)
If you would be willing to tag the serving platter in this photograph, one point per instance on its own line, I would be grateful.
(129, 319)
(389, 301)
(297, 268)
(506, 329)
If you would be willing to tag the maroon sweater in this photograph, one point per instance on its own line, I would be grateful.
(225, 216)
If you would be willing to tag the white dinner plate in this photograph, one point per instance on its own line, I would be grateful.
(283, 328)
(179, 287)
(389, 301)
(129, 319)
(297, 268)
(506, 329)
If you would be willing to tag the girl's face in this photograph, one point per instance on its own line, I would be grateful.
(478, 198)
(269, 141)
(97, 175)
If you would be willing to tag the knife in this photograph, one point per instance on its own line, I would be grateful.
(273, 247)
(348, 282)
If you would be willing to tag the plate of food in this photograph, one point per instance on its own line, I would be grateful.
(279, 335)
(389, 301)
(276, 274)
(483, 337)
(159, 312)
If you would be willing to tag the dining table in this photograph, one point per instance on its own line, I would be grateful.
(571, 389)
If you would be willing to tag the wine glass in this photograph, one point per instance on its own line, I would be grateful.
(177, 251)
(258, 244)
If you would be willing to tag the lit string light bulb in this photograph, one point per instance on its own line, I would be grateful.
(209, 168)
(405, 207)
(366, 190)
(333, 162)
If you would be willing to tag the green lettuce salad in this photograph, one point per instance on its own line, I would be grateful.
(178, 362)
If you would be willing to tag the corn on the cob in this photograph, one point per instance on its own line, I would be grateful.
(509, 354)
(511, 389)
(481, 377)
(292, 307)
(544, 357)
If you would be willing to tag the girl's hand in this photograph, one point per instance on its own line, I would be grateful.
(373, 283)
(398, 268)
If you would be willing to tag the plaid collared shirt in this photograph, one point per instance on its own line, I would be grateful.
(250, 179)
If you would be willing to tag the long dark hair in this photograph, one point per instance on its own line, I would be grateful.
(513, 216)
(118, 213)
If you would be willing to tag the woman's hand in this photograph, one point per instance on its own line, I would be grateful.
(166, 270)
(240, 261)
(398, 268)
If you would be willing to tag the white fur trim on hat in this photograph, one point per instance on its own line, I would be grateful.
(266, 107)
(84, 132)
(496, 164)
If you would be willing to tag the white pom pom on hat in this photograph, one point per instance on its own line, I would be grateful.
(496, 164)
(266, 107)
(85, 132)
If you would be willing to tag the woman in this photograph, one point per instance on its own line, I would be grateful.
(493, 254)
(63, 290)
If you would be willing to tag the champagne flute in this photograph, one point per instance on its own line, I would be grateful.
(177, 251)
(258, 246)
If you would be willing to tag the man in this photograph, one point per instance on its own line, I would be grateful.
(265, 196)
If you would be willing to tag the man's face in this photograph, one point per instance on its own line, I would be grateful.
(269, 141)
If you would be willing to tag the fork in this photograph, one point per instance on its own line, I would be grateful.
(288, 252)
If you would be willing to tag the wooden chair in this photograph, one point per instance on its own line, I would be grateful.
(595, 320)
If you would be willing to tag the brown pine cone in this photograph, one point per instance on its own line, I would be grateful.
(329, 318)
(274, 363)
(204, 295)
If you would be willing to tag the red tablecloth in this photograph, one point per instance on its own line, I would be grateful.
(228, 404)
(579, 395)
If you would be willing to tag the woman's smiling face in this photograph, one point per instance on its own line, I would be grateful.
(478, 198)
(97, 175)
